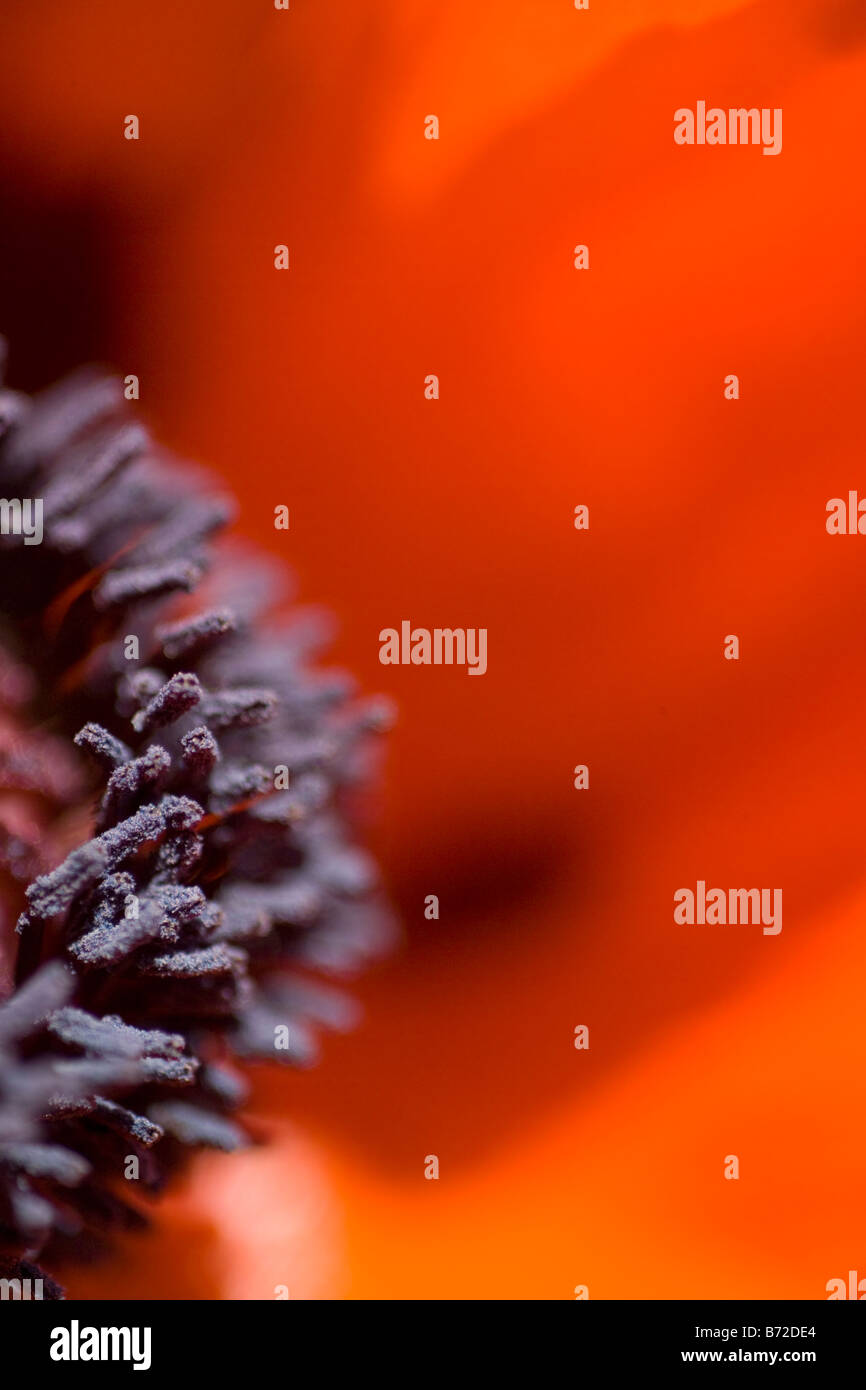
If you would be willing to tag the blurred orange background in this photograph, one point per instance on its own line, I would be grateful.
(558, 1167)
